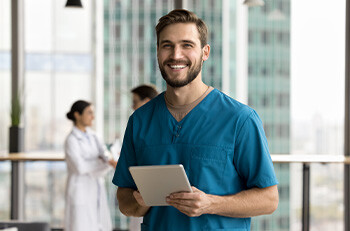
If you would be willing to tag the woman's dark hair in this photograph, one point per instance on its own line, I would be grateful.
(79, 107)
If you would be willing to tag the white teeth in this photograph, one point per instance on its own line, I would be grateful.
(177, 66)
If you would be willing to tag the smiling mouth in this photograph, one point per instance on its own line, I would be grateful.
(177, 67)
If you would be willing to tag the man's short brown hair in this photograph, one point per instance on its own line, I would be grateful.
(183, 16)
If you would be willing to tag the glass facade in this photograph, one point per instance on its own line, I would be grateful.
(129, 60)
(269, 84)
(58, 71)
(44, 198)
(317, 108)
(5, 181)
(129, 55)
(58, 66)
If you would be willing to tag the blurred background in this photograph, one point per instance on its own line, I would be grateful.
(286, 59)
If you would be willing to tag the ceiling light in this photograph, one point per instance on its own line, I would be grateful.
(276, 15)
(74, 3)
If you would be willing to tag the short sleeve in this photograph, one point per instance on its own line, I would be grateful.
(122, 176)
(252, 157)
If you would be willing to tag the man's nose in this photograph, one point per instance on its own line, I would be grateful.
(177, 53)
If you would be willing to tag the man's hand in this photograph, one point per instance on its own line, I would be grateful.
(131, 202)
(192, 204)
(139, 198)
(247, 203)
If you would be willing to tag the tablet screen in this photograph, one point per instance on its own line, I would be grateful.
(156, 182)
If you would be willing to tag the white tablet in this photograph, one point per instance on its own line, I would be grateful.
(156, 182)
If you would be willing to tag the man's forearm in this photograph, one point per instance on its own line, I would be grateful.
(248, 203)
(128, 204)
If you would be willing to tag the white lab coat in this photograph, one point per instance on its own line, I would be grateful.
(86, 199)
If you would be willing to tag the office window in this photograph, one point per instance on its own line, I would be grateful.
(280, 37)
(5, 73)
(286, 38)
(282, 99)
(58, 71)
(265, 37)
(141, 31)
(267, 129)
(5, 197)
(265, 102)
(45, 197)
(250, 70)
(318, 118)
(117, 31)
(5, 99)
(117, 3)
(250, 36)
(265, 225)
(264, 71)
(283, 222)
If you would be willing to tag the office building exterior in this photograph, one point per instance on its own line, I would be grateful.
(269, 93)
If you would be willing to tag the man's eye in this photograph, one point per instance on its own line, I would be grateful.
(188, 45)
(166, 45)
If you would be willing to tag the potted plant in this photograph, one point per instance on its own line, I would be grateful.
(16, 131)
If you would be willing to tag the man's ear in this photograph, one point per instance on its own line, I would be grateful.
(206, 52)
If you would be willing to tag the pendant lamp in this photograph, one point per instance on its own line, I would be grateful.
(254, 2)
(74, 3)
(276, 15)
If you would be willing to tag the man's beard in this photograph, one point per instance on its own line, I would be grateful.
(191, 75)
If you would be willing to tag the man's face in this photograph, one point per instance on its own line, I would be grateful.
(180, 56)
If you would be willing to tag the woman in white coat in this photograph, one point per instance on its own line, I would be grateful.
(86, 199)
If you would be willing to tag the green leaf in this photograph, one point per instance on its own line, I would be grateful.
(16, 111)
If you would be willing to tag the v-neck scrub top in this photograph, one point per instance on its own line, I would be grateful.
(221, 144)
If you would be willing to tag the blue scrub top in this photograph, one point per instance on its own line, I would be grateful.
(221, 144)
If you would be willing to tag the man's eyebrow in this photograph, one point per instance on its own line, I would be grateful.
(183, 41)
(188, 41)
(165, 41)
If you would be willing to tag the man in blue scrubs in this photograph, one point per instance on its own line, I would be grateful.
(219, 141)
